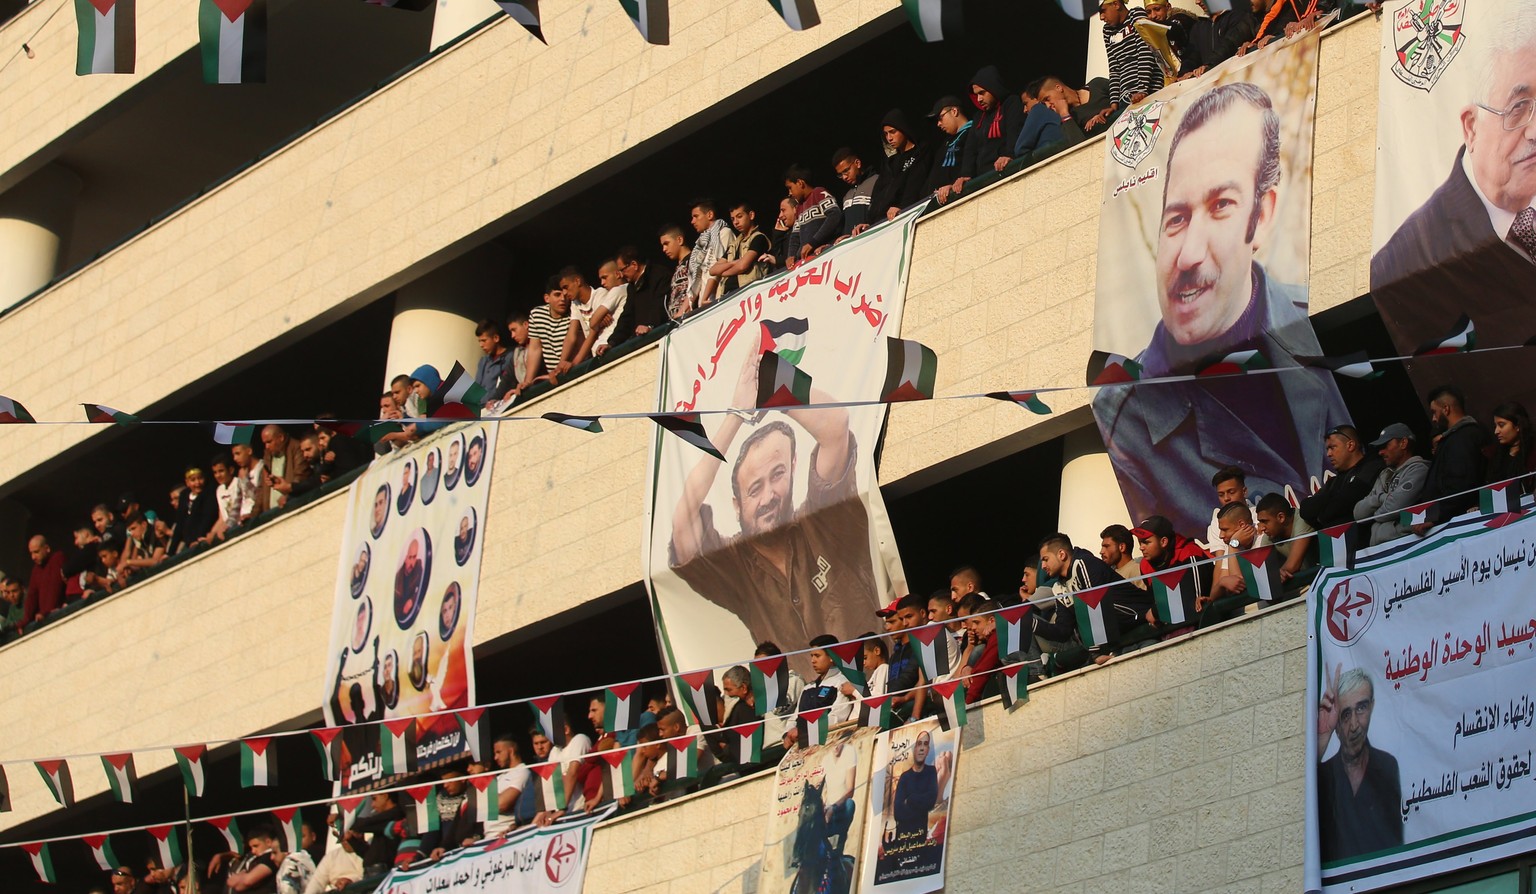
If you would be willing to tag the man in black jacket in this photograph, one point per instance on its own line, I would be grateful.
(1461, 446)
(1000, 118)
(904, 179)
(379, 853)
(648, 291)
(1355, 475)
(956, 159)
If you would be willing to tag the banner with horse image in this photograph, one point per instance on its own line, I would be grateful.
(816, 815)
(403, 621)
(911, 787)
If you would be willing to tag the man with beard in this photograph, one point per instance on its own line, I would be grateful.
(408, 581)
(1358, 789)
(1460, 446)
(789, 575)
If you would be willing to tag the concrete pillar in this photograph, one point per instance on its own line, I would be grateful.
(1090, 495)
(435, 315)
(451, 18)
(35, 217)
(1097, 65)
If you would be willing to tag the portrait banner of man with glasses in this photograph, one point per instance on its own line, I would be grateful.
(1455, 231)
(1421, 708)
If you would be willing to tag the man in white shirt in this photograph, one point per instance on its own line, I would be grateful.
(235, 497)
(592, 314)
(249, 466)
(512, 782)
(714, 238)
(613, 293)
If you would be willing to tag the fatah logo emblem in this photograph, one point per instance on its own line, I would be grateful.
(1136, 134)
(1351, 609)
(1427, 35)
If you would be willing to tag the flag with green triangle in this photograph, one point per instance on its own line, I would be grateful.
(1029, 400)
(42, 861)
(875, 711)
(681, 757)
(910, 369)
(291, 823)
(770, 683)
(848, 658)
(787, 338)
(621, 772)
(650, 18)
(232, 35)
(934, 20)
(781, 383)
(55, 775)
(487, 798)
(106, 36)
(104, 413)
(582, 423)
(551, 785)
(328, 743)
(12, 412)
(190, 759)
(167, 845)
(101, 851)
(696, 693)
(812, 726)
(951, 695)
(121, 777)
(797, 14)
(469, 724)
(258, 762)
(1015, 684)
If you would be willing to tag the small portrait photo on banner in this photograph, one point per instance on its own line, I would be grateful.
(453, 467)
(411, 578)
(911, 786)
(432, 476)
(407, 487)
(360, 570)
(421, 649)
(474, 460)
(1359, 788)
(391, 681)
(380, 511)
(448, 615)
(362, 625)
(464, 539)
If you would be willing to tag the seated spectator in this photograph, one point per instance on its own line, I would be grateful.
(295, 870)
(251, 467)
(165, 529)
(102, 579)
(956, 162)
(1236, 534)
(144, 549)
(676, 249)
(829, 690)
(783, 225)
(592, 316)
(491, 372)
(320, 471)
(104, 520)
(1334, 503)
(647, 296)
(904, 179)
(858, 202)
(963, 581)
(12, 611)
(1000, 118)
(1091, 106)
(548, 324)
(1290, 534)
(1512, 455)
(818, 217)
(981, 659)
(1072, 569)
(234, 497)
(1135, 69)
(400, 390)
(876, 663)
(340, 867)
(941, 609)
(283, 458)
(612, 291)
(1161, 549)
(527, 355)
(374, 835)
(1208, 42)
(1460, 446)
(909, 695)
(1115, 549)
(708, 249)
(510, 784)
(1396, 488)
(744, 262)
(1231, 484)
(81, 562)
(256, 869)
(456, 826)
(1046, 119)
(197, 514)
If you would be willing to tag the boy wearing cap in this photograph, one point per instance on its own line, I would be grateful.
(1161, 549)
(1397, 486)
(957, 159)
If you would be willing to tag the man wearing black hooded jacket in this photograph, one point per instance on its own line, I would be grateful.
(904, 178)
(999, 119)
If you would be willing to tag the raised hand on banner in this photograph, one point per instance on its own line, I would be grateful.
(1328, 708)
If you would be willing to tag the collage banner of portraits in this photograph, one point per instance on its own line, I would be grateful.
(1423, 686)
(1204, 245)
(788, 538)
(402, 627)
(816, 815)
(537, 860)
(1455, 232)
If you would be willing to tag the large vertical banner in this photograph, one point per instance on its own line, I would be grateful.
(911, 789)
(1455, 177)
(787, 538)
(817, 813)
(1204, 244)
(401, 630)
(1422, 692)
(534, 860)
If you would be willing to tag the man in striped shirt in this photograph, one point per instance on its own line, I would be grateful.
(1135, 71)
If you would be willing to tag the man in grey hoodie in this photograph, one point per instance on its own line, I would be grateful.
(1397, 487)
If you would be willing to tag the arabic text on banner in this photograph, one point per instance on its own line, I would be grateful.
(911, 790)
(533, 861)
(816, 815)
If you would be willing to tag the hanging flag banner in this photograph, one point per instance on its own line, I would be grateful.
(788, 538)
(536, 860)
(816, 814)
(404, 613)
(1420, 667)
(911, 784)
(1204, 252)
(1454, 231)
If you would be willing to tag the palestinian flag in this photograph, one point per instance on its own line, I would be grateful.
(951, 703)
(1173, 593)
(460, 387)
(848, 658)
(1088, 605)
(167, 844)
(1355, 365)
(104, 413)
(770, 683)
(623, 706)
(469, 725)
(1029, 400)
(42, 861)
(1234, 364)
(691, 430)
(549, 714)
(681, 756)
(797, 14)
(121, 776)
(1500, 499)
(584, 423)
(408, 852)
(101, 850)
(934, 20)
(783, 337)
(258, 765)
(744, 743)
(231, 433)
(5, 792)
(621, 772)
(909, 370)
(422, 801)
(551, 785)
(1011, 629)
(650, 18)
(346, 811)
(812, 727)
(376, 431)
(328, 742)
(56, 776)
(781, 383)
(1415, 515)
(694, 693)
(292, 825)
(487, 798)
(1462, 338)
(1082, 10)
(233, 38)
(190, 759)
(932, 654)
(229, 827)
(1015, 680)
(397, 746)
(106, 37)
(1118, 369)
(12, 412)
(875, 711)
(1261, 572)
(1336, 546)
(525, 13)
